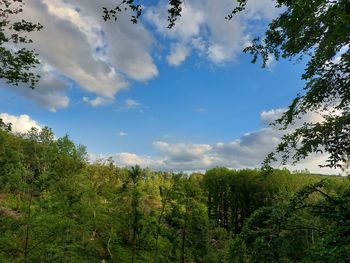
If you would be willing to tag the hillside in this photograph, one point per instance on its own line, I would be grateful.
(57, 207)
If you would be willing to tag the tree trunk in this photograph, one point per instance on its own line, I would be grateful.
(134, 225)
(158, 230)
(184, 235)
(26, 243)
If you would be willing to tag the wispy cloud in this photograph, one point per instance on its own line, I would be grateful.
(131, 104)
(98, 101)
(200, 109)
(123, 134)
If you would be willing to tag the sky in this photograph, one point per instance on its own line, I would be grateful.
(184, 99)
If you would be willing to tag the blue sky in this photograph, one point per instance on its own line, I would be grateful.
(180, 99)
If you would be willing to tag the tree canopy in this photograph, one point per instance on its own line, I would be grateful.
(55, 206)
(319, 32)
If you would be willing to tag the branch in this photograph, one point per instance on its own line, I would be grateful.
(326, 195)
(300, 227)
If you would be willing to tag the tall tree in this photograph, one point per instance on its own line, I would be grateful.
(135, 173)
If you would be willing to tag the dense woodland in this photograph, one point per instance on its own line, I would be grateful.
(56, 206)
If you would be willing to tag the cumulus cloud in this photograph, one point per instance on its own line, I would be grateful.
(103, 57)
(126, 159)
(188, 26)
(188, 156)
(202, 27)
(267, 117)
(248, 151)
(21, 124)
(78, 45)
(49, 92)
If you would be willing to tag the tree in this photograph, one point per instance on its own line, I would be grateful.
(16, 61)
(317, 31)
(311, 227)
(135, 173)
(112, 13)
(320, 32)
(55, 206)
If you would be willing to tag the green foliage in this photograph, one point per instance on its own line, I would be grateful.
(135, 7)
(16, 62)
(319, 32)
(57, 207)
(313, 223)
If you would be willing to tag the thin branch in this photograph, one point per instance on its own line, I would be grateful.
(301, 227)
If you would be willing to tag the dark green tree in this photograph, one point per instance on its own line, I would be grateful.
(317, 32)
(135, 173)
(311, 227)
(135, 7)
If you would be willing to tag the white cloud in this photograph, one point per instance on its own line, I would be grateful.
(188, 156)
(67, 43)
(131, 104)
(21, 124)
(98, 101)
(49, 92)
(102, 57)
(202, 27)
(130, 159)
(271, 62)
(123, 134)
(178, 55)
(186, 27)
(261, 9)
(248, 151)
(267, 117)
(76, 43)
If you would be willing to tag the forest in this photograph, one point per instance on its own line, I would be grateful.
(57, 206)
